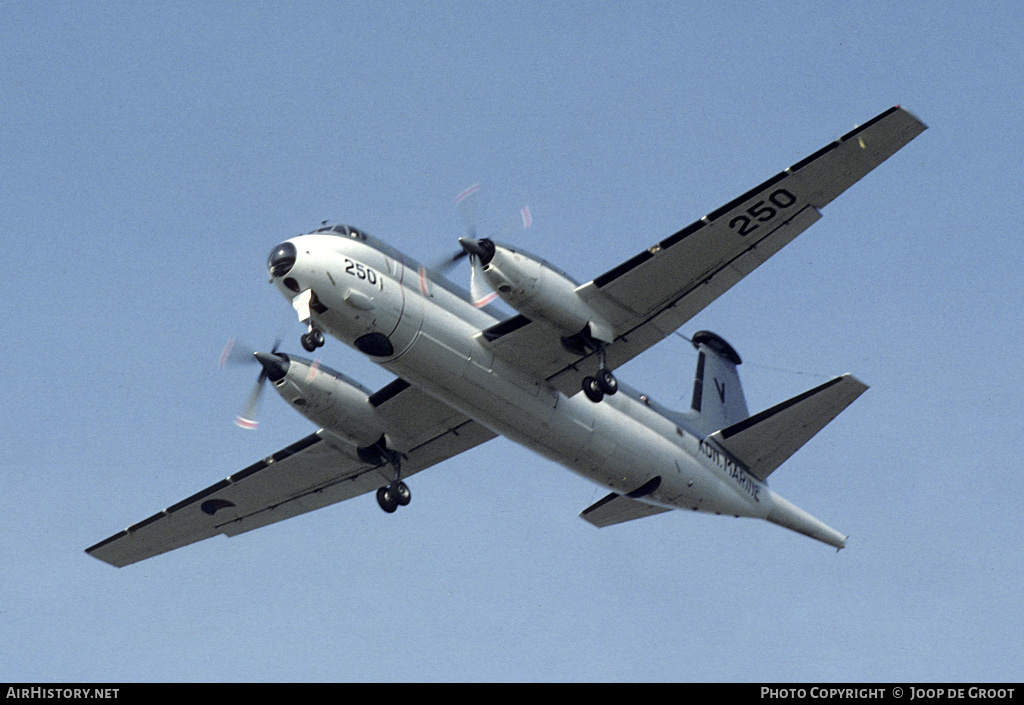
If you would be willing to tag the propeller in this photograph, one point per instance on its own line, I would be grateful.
(274, 367)
(466, 203)
(480, 251)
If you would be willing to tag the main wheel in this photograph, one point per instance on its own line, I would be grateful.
(592, 388)
(387, 500)
(318, 337)
(308, 342)
(606, 380)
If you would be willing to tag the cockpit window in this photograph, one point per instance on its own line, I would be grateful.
(343, 231)
(349, 231)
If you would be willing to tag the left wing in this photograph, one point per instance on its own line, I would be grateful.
(307, 475)
(649, 296)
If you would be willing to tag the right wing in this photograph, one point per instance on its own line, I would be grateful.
(310, 474)
(652, 294)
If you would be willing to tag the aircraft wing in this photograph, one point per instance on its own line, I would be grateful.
(650, 295)
(309, 474)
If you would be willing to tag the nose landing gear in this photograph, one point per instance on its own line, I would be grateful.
(312, 340)
(304, 304)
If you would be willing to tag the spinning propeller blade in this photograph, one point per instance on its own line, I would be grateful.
(479, 251)
(478, 289)
(236, 353)
(466, 203)
(247, 419)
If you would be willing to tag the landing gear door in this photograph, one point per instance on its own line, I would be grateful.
(301, 304)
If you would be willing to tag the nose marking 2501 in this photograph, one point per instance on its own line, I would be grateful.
(367, 274)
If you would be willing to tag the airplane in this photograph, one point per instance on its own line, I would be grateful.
(542, 377)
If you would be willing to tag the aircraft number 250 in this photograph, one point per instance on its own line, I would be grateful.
(762, 211)
(361, 271)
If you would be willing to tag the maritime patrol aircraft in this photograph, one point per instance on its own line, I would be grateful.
(543, 377)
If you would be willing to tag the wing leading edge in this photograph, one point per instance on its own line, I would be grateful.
(649, 296)
(312, 473)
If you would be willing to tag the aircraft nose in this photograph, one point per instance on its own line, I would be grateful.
(282, 259)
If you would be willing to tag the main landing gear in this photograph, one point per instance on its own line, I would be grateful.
(391, 497)
(396, 494)
(603, 383)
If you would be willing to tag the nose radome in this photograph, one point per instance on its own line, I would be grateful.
(282, 259)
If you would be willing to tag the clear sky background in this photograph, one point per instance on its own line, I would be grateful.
(152, 154)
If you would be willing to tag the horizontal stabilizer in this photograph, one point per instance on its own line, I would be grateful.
(617, 508)
(765, 440)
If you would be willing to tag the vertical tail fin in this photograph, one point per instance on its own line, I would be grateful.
(718, 399)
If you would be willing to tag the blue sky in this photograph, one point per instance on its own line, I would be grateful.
(154, 152)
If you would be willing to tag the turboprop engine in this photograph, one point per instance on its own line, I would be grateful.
(325, 397)
(536, 289)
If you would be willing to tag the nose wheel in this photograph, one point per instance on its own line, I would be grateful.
(312, 340)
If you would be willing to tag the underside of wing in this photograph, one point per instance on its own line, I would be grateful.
(653, 293)
(731, 241)
(312, 473)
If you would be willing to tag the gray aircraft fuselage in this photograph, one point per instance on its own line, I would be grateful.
(424, 331)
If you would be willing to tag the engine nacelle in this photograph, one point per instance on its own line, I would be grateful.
(331, 400)
(541, 292)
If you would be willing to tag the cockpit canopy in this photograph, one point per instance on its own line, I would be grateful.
(344, 231)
